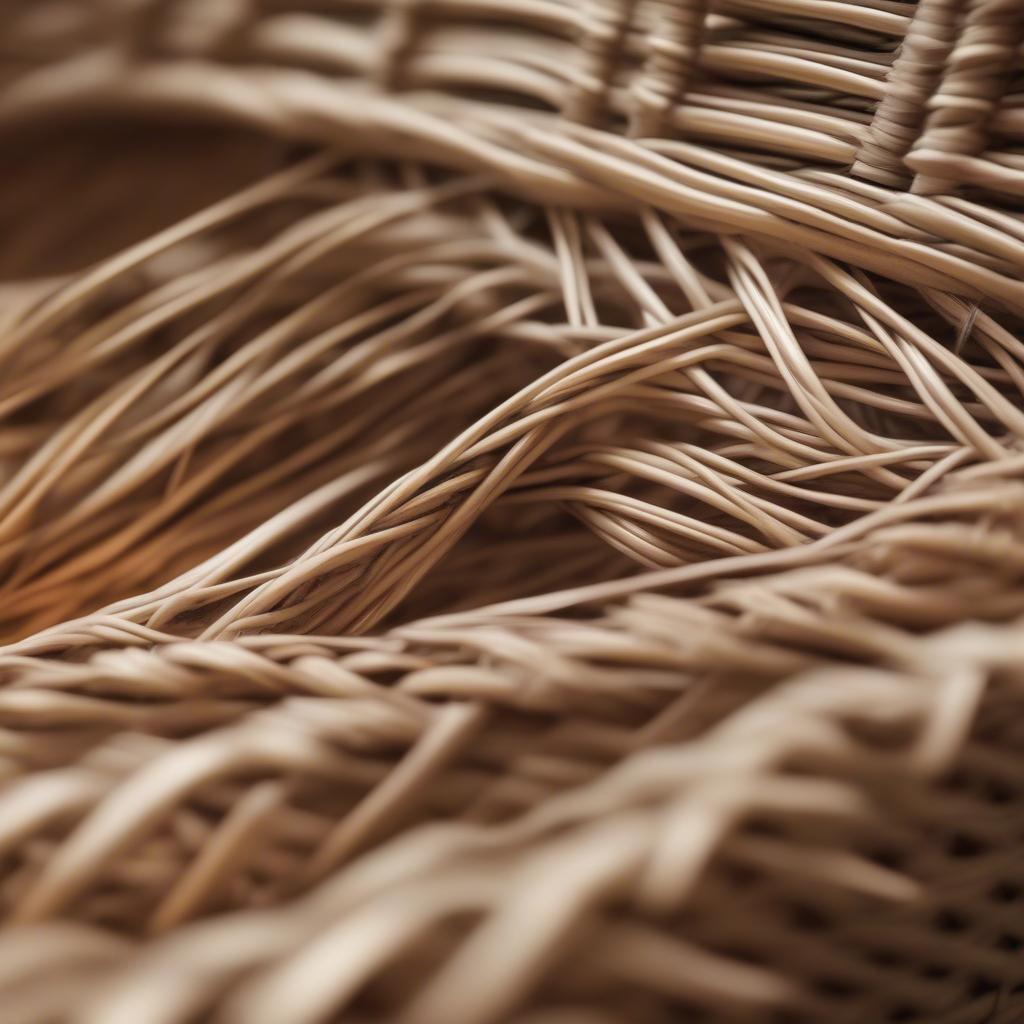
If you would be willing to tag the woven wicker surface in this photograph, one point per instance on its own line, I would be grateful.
(512, 510)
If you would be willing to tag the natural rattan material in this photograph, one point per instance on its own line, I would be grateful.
(512, 511)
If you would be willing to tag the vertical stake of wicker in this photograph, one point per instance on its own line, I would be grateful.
(915, 73)
(604, 37)
(396, 37)
(977, 73)
(674, 45)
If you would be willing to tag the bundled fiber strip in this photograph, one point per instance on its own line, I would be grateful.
(511, 512)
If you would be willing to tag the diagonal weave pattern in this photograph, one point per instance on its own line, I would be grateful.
(512, 510)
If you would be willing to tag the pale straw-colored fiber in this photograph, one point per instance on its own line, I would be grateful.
(511, 511)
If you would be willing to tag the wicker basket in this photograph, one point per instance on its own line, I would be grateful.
(512, 511)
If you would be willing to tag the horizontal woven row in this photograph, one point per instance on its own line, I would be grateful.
(926, 96)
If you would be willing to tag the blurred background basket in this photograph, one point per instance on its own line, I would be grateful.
(511, 510)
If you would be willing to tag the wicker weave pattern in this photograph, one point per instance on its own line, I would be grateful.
(764, 129)
(551, 554)
(794, 81)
